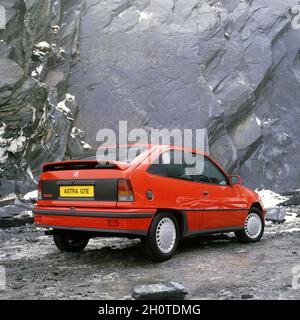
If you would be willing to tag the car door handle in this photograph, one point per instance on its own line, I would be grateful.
(205, 193)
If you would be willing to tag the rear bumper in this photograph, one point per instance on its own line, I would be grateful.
(115, 222)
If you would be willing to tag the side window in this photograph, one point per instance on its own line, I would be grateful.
(213, 173)
(178, 164)
(187, 166)
(169, 165)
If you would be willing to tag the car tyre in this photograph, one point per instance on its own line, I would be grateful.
(253, 227)
(163, 237)
(70, 242)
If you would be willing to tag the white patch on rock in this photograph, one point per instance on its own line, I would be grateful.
(10, 196)
(33, 195)
(85, 145)
(37, 71)
(73, 133)
(270, 199)
(30, 174)
(16, 145)
(3, 143)
(291, 216)
(290, 230)
(43, 46)
(70, 97)
(11, 144)
(144, 15)
(39, 54)
(33, 114)
(61, 106)
(41, 49)
(76, 132)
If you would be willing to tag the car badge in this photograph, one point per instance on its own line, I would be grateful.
(76, 174)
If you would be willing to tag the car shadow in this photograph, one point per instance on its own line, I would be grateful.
(116, 254)
(200, 242)
(131, 253)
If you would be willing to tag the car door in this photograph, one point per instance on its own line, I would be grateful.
(223, 207)
(174, 188)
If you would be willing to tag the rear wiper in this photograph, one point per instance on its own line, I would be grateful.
(105, 165)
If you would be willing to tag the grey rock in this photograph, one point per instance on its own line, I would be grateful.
(28, 204)
(291, 193)
(14, 216)
(159, 291)
(247, 296)
(12, 189)
(8, 200)
(246, 133)
(224, 149)
(276, 214)
(231, 67)
(76, 144)
(293, 201)
(10, 72)
(7, 187)
(34, 67)
(10, 211)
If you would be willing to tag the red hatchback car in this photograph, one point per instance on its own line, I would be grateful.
(146, 194)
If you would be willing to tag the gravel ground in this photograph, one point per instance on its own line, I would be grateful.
(216, 267)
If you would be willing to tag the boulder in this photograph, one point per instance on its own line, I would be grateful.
(276, 214)
(14, 216)
(293, 201)
(224, 149)
(246, 133)
(9, 199)
(159, 291)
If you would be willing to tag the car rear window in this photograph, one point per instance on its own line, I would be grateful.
(122, 154)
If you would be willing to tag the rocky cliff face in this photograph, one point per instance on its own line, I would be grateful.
(230, 66)
(36, 111)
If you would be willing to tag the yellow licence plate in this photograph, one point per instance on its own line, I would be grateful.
(76, 191)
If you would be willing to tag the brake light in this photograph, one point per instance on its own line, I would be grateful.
(125, 191)
(40, 197)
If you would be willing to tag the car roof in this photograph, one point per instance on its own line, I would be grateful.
(148, 146)
(163, 148)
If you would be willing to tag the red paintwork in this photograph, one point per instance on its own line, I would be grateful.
(223, 207)
(94, 222)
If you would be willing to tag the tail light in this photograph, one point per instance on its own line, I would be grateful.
(125, 192)
(40, 197)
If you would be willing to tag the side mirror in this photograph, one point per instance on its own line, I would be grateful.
(235, 180)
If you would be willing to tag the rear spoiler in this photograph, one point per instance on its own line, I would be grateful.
(84, 164)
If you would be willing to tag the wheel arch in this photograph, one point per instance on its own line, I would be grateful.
(180, 217)
(258, 206)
